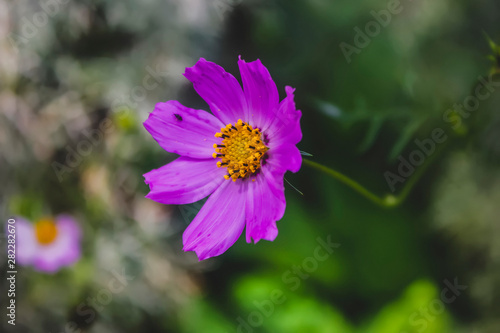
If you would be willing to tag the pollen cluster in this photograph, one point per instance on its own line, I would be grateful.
(45, 231)
(241, 150)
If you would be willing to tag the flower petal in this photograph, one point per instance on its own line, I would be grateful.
(285, 127)
(219, 223)
(26, 243)
(284, 157)
(265, 205)
(64, 251)
(260, 92)
(219, 89)
(182, 130)
(184, 180)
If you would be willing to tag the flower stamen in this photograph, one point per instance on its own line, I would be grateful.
(241, 150)
(45, 231)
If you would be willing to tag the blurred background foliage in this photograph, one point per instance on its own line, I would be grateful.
(82, 74)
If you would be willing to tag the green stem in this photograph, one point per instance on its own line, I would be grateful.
(347, 181)
(388, 200)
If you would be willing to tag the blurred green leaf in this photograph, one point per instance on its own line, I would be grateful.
(415, 311)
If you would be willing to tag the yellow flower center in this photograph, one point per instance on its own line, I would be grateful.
(45, 231)
(241, 150)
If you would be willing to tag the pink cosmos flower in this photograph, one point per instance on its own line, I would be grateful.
(238, 155)
(49, 244)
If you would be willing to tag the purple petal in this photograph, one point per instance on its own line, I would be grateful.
(184, 180)
(64, 251)
(219, 223)
(284, 157)
(285, 127)
(182, 130)
(219, 89)
(26, 243)
(260, 92)
(265, 205)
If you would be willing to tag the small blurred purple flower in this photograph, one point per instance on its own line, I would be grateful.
(252, 136)
(49, 244)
